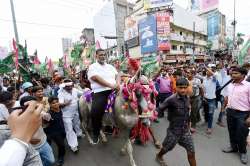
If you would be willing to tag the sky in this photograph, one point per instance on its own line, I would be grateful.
(43, 23)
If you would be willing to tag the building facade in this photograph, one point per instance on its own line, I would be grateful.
(67, 44)
(216, 27)
(188, 35)
(109, 22)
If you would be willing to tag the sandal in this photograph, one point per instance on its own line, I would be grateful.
(160, 161)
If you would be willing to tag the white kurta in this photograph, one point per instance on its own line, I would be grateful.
(71, 116)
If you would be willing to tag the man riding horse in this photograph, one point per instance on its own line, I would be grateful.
(103, 79)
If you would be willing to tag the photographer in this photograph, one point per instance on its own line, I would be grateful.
(16, 133)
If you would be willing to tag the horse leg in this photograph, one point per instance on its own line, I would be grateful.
(87, 134)
(156, 142)
(124, 149)
(103, 137)
(130, 153)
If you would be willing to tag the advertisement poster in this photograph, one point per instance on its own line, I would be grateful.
(195, 4)
(148, 4)
(147, 31)
(163, 31)
(131, 28)
(213, 25)
(207, 5)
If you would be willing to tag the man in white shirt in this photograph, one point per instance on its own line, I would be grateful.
(209, 88)
(223, 78)
(68, 99)
(103, 79)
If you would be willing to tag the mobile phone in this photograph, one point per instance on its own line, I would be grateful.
(18, 108)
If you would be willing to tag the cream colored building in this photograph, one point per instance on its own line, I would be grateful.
(183, 38)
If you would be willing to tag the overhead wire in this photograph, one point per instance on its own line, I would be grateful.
(76, 6)
(40, 24)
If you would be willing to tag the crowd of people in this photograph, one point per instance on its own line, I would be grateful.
(34, 114)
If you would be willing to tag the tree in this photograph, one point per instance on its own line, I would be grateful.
(239, 39)
(229, 43)
(209, 46)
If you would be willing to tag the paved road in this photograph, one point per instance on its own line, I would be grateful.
(208, 151)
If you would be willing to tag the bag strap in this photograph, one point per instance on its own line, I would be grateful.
(225, 84)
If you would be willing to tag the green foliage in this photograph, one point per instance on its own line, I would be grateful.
(77, 51)
(209, 45)
(239, 39)
(229, 43)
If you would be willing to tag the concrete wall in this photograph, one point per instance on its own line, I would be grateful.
(104, 24)
(185, 19)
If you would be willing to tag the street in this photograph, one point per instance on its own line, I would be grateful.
(208, 151)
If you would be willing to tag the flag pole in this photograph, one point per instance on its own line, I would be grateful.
(14, 20)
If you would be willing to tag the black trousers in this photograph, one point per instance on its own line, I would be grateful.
(98, 109)
(237, 129)
(59, 141)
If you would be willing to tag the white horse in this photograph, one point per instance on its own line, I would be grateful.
(125, 116)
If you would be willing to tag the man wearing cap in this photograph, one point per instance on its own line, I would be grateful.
(103, 79)
(238, 110)
(68, 99)
(27, 87)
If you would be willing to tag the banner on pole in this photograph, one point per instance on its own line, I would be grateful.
(163, 31)
(207, 5)
(147, 32)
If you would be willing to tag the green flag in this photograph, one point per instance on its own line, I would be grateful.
(243, 52)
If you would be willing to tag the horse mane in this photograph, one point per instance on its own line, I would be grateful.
(84, 78)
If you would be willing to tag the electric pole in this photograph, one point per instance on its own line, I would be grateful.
(14, 21)
(193, 43)
(234, 34)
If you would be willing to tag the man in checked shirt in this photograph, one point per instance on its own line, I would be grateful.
(178, 107)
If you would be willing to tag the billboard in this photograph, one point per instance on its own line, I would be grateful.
(131, 28)
(195, 4)
(163, 31)
(207, 5)
(148, 4)
(147, 33)
(213, 22)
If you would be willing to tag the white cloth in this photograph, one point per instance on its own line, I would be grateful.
(106, 72)
(71, 123)
(70, 115)
(196, 83)
(209, 86)
(64, 96)
(12, 153)
(23, 95)
(4, 113)
(4, 88)
(223, 78)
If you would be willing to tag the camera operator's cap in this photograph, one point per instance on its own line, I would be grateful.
(27, 85)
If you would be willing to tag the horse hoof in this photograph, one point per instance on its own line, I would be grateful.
(103, 137)
(123, 152)
(157, 144)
